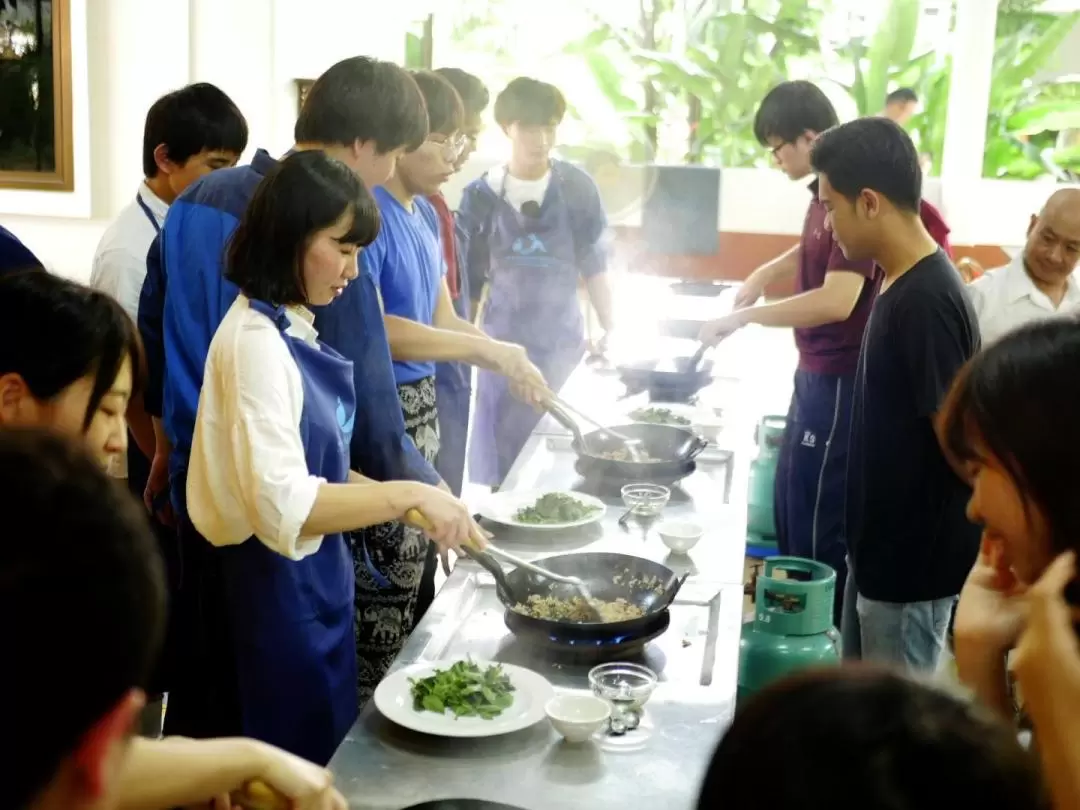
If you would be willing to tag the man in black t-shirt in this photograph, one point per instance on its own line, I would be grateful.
(910, 543)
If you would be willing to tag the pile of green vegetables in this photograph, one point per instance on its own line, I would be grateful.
(465, 690)
(555, 508)
(659, 416)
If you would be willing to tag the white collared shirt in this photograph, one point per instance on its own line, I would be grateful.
(119, 266)
(248, 474)
(1006, 297)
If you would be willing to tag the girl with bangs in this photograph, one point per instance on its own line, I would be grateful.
(1009, 426)
(70, 361)
(268, 602)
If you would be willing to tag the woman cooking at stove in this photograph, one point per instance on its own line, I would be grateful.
(269, 484)
(533, 228)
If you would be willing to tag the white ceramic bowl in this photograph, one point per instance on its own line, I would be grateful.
(577, 717)
(680, 536)
(710, 426)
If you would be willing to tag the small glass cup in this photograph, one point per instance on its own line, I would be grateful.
(645, 500)
(627, 687)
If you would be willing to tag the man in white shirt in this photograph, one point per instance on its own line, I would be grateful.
(1040, 281)
(188, 133)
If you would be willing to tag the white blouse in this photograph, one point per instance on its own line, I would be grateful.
(248, 474)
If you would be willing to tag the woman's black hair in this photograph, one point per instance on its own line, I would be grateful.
(859, 737)
(305, 193)
(54, 332)
(446, 111)
(1016, 401)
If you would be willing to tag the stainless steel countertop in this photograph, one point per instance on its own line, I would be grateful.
(380, 766)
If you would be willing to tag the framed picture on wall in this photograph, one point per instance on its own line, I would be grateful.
(302, 87)
(35, 95)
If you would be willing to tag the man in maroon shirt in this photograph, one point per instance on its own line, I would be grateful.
(828, 313)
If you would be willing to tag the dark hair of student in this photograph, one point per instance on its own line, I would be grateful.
(863, 738)
(790, 110)
(446, 113)
(474, 95)
(304, 194)
(54, 332)
(871, 153)
(193, 119)
(530, 103)
(82, 606)
(364, 99)
(1014, 400)
(902, 95)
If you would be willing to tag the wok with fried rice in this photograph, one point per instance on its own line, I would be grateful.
(628, 592)
(660, 453)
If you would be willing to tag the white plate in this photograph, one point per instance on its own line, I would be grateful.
(393, 697)
(502, 507)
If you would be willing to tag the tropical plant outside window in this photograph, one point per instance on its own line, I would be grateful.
(678, 81)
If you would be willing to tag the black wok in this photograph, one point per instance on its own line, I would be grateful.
(674, 449)
(667, 380)
(608, 576)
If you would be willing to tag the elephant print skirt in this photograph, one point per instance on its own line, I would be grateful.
(385, 613)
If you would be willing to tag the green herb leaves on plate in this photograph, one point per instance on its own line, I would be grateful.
(465, 690)
(555, 508)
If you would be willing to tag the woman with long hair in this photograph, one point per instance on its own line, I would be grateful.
(1009, 426)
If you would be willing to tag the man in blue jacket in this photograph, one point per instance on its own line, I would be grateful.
(14, 255)
(367, 114)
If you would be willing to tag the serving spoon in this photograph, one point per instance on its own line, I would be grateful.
(633, 445)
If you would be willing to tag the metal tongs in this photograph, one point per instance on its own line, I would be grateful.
(632, 444)
(493, 553)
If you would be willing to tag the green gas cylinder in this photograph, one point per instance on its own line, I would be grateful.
(760, 515)
(792, 624)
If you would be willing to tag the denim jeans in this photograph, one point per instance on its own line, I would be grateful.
(909, 634)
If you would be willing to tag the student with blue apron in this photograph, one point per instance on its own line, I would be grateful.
(534, 267)
(269, 605)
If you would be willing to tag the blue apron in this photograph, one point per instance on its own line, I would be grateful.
(533, 301)
(292, 621)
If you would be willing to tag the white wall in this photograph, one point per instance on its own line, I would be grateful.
(127, 53)
(255, 49)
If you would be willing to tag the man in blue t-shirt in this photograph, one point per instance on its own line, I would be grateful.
(14, 255)
(407, 265)
(910, 542)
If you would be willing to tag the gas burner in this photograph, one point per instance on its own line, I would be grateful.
(584, 645)
(609, 487)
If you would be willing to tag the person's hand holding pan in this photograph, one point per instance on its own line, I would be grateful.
(527, 383)
(445, 519)
(715, 331)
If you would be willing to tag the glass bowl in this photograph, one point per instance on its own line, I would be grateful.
(646, 500)
(627, 687)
